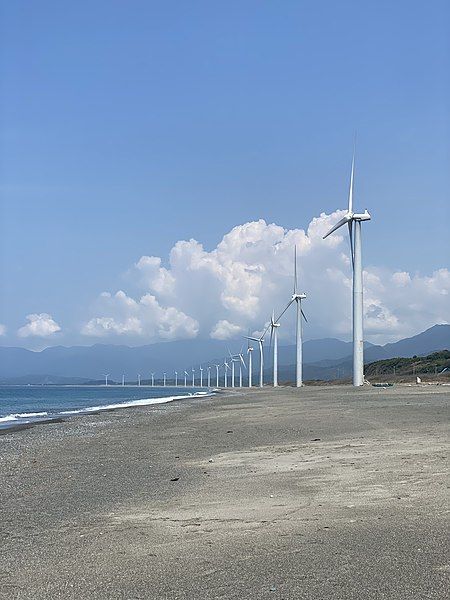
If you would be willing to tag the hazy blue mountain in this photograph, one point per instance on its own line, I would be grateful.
(322, 358)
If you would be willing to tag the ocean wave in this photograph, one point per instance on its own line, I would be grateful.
(17, 416)
(130, 404)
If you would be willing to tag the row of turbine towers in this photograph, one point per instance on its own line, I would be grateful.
(353, 221)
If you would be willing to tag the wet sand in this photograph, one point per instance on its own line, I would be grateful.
(318, 493)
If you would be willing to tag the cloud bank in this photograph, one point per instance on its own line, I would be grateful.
(224, 292)
(39, 325)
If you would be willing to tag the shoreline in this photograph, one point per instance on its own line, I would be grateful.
(14, 424)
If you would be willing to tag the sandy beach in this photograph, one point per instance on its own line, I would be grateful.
(318, 493)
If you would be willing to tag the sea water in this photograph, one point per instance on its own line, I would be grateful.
(35, 403)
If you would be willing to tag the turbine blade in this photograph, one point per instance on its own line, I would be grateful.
(350, 193)
(304, 316)
(295, 269)
(288, 305)
(343, 221)
(350, 233)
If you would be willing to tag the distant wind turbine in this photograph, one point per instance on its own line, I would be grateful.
(209, 376)
(185, 378)
(153, 379)
(201, 376)
(274, 337)
(217, 375)
(260, 341)
(123, 380)
(193, 377)
(106, 375)
(297, 297)
(353, 221)
(226, 367)
(139, 379)
(164, 379)
(250, 365)
(176, 379)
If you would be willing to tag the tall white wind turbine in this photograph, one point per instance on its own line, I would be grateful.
(274, 338)
(201, 376)
(153, 379)
(164, 379)
(139, 379)
(297, 297)
(250, 364)
(261, 356)
(185, 378)
(106, 375)
(209, 376)
(217, 375)
(226, 367)
(123, 380)
(193, 377)
(176, 378)
(353, 221)
(241, 364)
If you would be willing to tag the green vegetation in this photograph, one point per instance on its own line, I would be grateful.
(431, 364)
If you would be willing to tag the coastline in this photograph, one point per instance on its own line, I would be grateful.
(286, 494)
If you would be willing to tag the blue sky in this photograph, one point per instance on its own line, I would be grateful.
(129, 126)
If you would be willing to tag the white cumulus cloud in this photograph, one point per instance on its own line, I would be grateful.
(2, 329)
(223, 292)
(224, 330)
(145, 318)
(39, 325)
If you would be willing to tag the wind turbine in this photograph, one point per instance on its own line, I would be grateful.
(123, 380)
(217, 375)
(250, 367)
(201, 376)
(176, 379)
(106, 375)
(164, 379)
(185, 378)
(260, 341)
(226, 366)
(153, 379)
(233, 360)
(297, 297)
(353, 221)
(209, 376)
(241, 363)
(139, 379)
(274, 336)
(193, 377)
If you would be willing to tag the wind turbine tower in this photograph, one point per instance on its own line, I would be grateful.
(353, 221)
(260, 341)
(250, 365)
(106, 375)
(297, 297)
(274, 336)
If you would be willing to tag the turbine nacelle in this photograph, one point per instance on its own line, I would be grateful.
(297, 297)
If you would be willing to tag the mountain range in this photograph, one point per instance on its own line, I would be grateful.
(323, 358)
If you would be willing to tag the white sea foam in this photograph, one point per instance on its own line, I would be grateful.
(131, 403)
(17, 416)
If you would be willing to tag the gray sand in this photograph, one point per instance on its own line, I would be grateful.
(321, 493)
